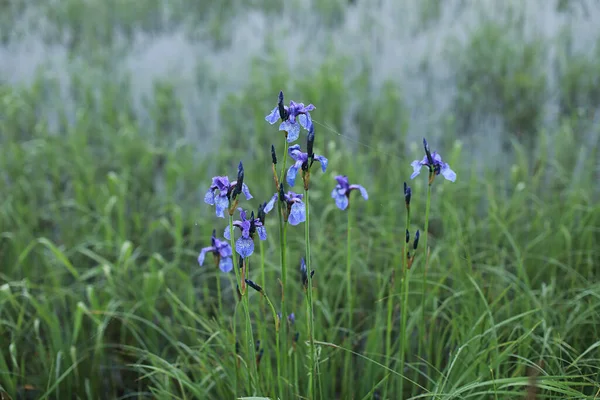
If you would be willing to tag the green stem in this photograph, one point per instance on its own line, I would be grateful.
(404, 308)
(309, 298)
(349, 299)
(219, 297)
(248, 323)
(283, 258)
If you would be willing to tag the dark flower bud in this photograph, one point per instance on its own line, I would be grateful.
(416, 242)
(296, 337)
(240, 181)
(407, 236)
(407, 194)
(241, 262)
(261, 212)
(213, 239)
(254, 285)
(259, 355)
(273, 155)
(281, 193)
(427, 152)
(310, 142)
(283, 114)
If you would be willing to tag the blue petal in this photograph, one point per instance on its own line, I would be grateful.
(448, 173)
(244, 246)
(274, 116)
(362, 190)
(305, 120)
(262, 232)
(246, 191)
(203, 254)
(226, 264)
(225, 250)
(209, 197)
(292, 172)
(416, 167)
(323, 162)
(226, 234)
(297, 213)
(293, 132)
(221, 203)
(341, 201)
(271, 203)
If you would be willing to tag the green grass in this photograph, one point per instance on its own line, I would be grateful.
(102, 219)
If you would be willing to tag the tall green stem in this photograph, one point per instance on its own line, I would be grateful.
(248, 323)
(349, 300)
(309, 298)
(404, 308)
(283, 258)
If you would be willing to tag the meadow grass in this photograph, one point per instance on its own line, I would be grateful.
(102, 220)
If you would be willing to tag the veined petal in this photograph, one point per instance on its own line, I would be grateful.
(225, 249)
(341, 201)
(294, 152)
(416, 168)
(293, 133)
(297, 213)
(271, 203)
(244, 246)
(209, 197)
(221, 203)
(226, 264)
(273, 116)
(323, 162)
(262, 232)
(292, 172)
(226, 233)
(203, 254)
(305, 120)
(246, 191)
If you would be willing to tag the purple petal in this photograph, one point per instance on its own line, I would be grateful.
(448, 173)
(297, 213)
(203, 254)
(293, 133)
(416, 167)
(292, 172)
(221, 204)
(226, 264)
(226, 233)
(274, 116)
(362, 190)
(209, 197)
(246, 191)
(309, 107)
(271, 203)
(262, 232)
(244, 247)
(323, 162)
(224, 249)
(342, 180)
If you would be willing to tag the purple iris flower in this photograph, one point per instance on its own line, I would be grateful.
(289, 115)
(221, 251)
(226, 191)
(301, 162)
(296, 212)
(341, 192)
(433, 161)
(244, 246)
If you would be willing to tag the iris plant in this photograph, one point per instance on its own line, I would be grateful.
(292, 117)
(221, 192)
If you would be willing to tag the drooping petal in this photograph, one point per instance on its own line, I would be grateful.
(341, 201)
(323, 162)
(246, 191)
(305, 120)
(244, 246)
(221, 203)
(416, 168)
(209, 197)
(297, 213)
(226, 264)
(273, 116)
(226, 233)
(293, 132)
(363, 191)
(448, 173)
(203, 254)
(292, 172)
(271, 203)
(262, 232)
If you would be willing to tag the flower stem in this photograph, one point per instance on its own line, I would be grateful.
(219, 297)
(309, 300)
(422, 332)
(404, 309)
(248, 325)
(349, 299)
(283, 258)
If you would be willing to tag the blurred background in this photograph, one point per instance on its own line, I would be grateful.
(115, 114)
